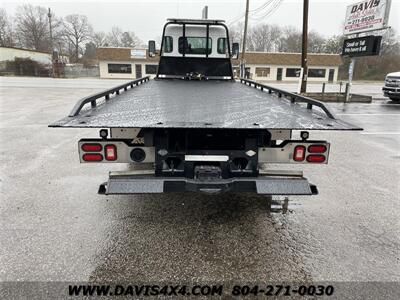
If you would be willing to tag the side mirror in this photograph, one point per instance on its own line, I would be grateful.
(235, 50)
(151, 48)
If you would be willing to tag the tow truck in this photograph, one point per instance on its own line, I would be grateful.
(194, 128)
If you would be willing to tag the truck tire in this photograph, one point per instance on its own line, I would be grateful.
(394, 99)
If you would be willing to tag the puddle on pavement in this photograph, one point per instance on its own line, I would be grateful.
(177, 237)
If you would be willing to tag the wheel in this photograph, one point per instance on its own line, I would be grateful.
(394, 99)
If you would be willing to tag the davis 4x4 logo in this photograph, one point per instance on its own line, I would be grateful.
(366, 15)
(364, 6)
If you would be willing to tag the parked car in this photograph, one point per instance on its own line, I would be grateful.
(392, 86)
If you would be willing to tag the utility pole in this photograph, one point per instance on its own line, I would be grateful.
(304, 47)
(242, 61)
(51, 43)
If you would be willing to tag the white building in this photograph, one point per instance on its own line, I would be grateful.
(126, 63)
(264, 66)
(10, 53)
(261, 66)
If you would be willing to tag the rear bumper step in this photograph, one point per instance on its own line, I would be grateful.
(267, 185)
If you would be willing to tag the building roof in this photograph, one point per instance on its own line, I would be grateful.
(30, 50)
(120, 54)
(280, 58)
(256, 58)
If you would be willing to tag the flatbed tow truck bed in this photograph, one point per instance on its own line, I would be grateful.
(196, 129)
(178, 103)
(225, 106)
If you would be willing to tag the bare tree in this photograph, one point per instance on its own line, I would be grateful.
(236, 33)
(89, 56)
(334, 44)
(77, 30)
(390, 42)
(57, 33)
(99, 39)
(32, 28)
(119, 38)
(290, 40)
(264, 37)
(6, 34)
(276, 33)
(114, 37)
(129, 39)
(257, 37)
(316, 42)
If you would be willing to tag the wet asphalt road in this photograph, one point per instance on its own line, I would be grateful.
(55, 226)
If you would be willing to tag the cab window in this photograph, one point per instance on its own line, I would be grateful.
(167, 45)
(221, 46)
(194, 45)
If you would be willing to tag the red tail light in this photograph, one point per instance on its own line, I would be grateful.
(299, 153)
(110, 152)
(317, 148)
(92, 157)
(91, 147)
(316, 158)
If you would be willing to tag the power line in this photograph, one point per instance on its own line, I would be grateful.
(250, 11)
(254, 12)
(261, 7)
(274, 7)
(235, 20)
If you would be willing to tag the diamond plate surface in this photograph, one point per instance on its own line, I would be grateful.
(201, 104)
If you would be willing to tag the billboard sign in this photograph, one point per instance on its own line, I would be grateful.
(366, 15)
(362, 46)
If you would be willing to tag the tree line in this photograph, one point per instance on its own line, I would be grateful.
(275, 38)
(73, 35)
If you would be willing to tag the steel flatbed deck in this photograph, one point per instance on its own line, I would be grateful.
(176, 103)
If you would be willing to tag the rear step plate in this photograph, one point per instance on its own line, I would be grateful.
(260, 185)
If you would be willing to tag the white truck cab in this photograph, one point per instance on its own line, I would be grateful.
(195, 49)
(196, 41)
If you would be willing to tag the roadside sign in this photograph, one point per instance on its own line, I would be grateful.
(138, 53)
(366, 15)
(362, 46)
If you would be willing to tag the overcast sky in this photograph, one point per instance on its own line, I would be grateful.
(147, 17)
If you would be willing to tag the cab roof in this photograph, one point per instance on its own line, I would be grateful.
(196, 21)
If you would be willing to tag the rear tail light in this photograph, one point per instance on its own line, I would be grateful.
(91, 147)
(110, 152)
(316, 158)
(299, 153)
(316, 149)
(92, 157)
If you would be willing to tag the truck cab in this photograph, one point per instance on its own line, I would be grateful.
(392, 86)
(195, 49)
